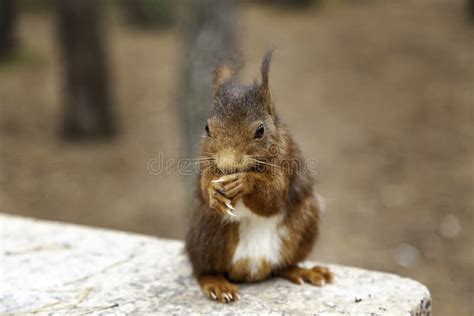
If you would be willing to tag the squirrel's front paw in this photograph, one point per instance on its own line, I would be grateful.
(225, 191)
(218, 199)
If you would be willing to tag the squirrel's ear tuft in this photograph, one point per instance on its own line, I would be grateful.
(264, 86)
(222, 74)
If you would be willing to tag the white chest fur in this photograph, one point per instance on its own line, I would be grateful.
(259, 237)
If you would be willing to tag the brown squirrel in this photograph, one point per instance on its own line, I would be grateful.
(257, 216)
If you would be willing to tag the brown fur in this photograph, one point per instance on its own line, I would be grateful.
(277, 184)
(239, 272)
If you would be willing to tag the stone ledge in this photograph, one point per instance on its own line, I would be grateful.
(57, 268)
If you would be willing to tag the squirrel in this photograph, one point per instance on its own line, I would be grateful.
(256, 215)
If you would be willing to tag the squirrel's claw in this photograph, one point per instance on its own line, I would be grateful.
(230, 209)
(230, 213)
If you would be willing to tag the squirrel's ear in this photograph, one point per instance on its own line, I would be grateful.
(222, 74)
(265, 94)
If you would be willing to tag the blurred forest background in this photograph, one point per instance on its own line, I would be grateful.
(379, 92)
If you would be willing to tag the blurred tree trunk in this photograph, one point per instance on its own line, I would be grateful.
(87, 103)
(7, 27)
(470, 9)
(150, 13)
(209, 31)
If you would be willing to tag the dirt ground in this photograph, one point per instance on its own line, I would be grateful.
(380, 93)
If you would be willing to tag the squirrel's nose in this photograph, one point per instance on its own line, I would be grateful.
(227, 160)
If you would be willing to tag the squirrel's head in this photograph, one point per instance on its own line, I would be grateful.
(242, 128)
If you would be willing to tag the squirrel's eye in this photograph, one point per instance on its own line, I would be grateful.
(260, 131)
(207, 130)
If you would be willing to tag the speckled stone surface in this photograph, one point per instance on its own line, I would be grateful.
(56, 268)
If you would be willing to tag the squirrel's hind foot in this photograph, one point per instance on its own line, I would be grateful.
(317, 275)
(218, 288)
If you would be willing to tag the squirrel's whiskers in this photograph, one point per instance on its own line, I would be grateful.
(263, 162)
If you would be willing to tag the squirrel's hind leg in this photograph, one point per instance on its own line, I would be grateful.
(218, 288)
(316, 276)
